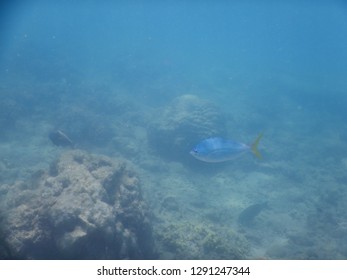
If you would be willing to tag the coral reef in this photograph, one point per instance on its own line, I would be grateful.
(185, 122)
(5, 252)
(200, 241)
(85, 207)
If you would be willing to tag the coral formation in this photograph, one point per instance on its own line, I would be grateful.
(5, 252)
(200, 241)
(85, 207)
(185, 122)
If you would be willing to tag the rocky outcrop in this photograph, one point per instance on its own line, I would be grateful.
(85, 207)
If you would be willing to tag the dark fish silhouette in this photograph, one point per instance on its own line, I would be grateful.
(59, 138)
(248, 215)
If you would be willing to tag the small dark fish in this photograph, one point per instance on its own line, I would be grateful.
(247, 216)
(59, 138)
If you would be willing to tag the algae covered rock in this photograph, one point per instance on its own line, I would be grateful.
(182, 124)
(191, 240)
(85, 207)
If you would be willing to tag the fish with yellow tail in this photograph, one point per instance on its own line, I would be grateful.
(219, 150)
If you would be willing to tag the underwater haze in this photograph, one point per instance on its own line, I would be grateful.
(102, 103)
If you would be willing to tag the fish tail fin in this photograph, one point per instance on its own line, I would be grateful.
(254, 146)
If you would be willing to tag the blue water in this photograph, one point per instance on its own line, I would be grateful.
(110, 75)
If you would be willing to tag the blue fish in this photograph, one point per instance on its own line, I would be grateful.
(219, 150)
